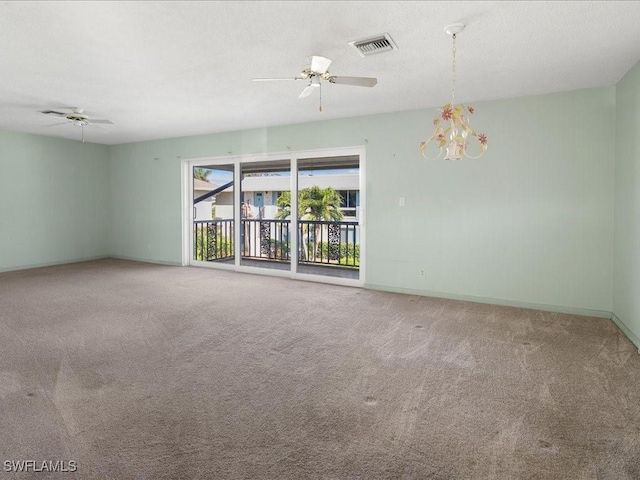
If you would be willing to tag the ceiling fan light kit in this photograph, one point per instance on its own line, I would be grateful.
(452, 131)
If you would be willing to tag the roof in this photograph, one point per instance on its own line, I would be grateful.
(203, 185)
(345, 181)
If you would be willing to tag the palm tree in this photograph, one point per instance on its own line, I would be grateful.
(200, 173)
(284, 205)
(314, 203)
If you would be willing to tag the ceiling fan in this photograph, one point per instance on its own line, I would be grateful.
(316, 72)
(77, 117)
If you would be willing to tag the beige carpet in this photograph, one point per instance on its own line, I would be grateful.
(152, 372)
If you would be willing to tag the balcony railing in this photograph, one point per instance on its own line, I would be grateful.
(213, 240)
(321, 242)
(265, 239)
(329, 243)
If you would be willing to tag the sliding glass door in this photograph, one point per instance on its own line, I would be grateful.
(298, 215)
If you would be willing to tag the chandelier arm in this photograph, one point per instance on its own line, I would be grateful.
(482, 152)
(423, 145)
(430, 158)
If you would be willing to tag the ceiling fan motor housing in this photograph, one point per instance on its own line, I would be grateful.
(78, 119)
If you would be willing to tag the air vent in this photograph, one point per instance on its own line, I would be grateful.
(374, 45)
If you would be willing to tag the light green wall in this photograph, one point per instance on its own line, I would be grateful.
(531, 222)
(626, 291)
(53, 201)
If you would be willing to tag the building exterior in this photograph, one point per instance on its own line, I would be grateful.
(260, 194)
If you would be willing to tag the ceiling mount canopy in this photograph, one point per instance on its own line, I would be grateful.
(452, 131)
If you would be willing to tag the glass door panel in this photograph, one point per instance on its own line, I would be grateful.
(265, 230)
(328, 216)
(213, 214)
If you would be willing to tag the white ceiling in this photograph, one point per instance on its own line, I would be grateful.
(169, 69)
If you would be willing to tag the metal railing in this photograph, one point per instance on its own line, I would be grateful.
(213, 240)
(329, 243)
(266, 239)
(321, 242)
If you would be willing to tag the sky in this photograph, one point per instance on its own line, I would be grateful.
(221, 177)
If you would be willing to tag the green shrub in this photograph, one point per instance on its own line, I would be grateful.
(223, 249)
(342, 254)
(280, 248)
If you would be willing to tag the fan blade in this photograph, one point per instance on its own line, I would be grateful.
(356, 81)
(277, 79)
(57, 124)
(319, 64)
(107, 122)
(53, 113)
(307, 90)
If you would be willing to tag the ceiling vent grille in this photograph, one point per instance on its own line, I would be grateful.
(374, 45)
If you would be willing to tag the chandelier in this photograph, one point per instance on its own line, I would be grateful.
(452, 131)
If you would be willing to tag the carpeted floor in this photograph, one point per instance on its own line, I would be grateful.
(151, 372)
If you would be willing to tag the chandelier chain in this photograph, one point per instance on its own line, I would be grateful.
(453, 72)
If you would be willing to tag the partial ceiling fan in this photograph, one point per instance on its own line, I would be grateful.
(76, 117)
(316, 72)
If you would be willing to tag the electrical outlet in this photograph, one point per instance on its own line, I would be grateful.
(401, 201)
(423, 273)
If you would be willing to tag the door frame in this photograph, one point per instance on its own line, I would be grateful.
(237, 160)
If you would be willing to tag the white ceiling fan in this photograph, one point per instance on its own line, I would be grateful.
(76, 117)
(316, 72)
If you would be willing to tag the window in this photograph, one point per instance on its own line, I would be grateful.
(349, 202)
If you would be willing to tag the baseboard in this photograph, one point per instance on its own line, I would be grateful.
(624, 329)
(86, 259)
(495, 301)
(51, 264)
(410, 291)
(146, 260)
